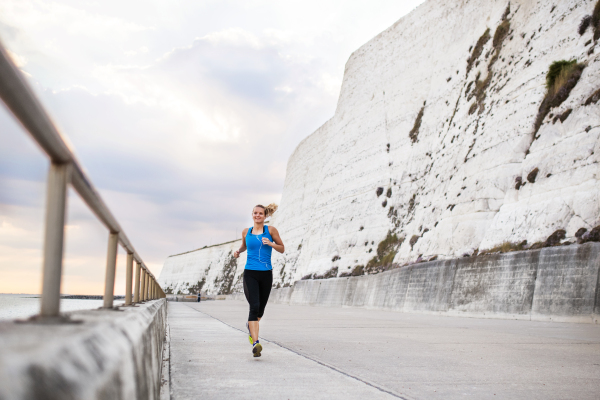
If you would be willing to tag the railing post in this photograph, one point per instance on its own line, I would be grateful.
(142, 282)
(150, 281)
(136, 295)
(128, 279)
(56, 201)
(143, 293)
(111, 266)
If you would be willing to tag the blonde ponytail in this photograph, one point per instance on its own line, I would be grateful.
(270, 209)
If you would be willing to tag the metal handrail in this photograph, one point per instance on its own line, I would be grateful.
(20, 99)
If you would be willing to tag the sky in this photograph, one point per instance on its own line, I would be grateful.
(182, 112)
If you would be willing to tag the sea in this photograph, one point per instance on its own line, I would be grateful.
(18, 306)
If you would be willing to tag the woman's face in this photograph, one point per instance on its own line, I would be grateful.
(258, 215)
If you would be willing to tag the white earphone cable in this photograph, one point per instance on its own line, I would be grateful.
(258, 237)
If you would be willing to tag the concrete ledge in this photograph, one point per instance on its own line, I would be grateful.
(236, 296)
(567, 282)
(110, 355)
(551, 284)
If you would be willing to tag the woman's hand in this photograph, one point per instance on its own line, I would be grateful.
(242, 248)
(277, 244)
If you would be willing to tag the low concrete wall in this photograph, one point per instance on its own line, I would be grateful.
(236, 296)
(193, 298)
(555, 283)
(110, 355)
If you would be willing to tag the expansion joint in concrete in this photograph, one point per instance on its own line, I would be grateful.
(310, 358)
(165, 381)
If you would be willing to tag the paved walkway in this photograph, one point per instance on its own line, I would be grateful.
(343, 353)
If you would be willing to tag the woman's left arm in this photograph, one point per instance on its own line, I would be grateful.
(277, 243)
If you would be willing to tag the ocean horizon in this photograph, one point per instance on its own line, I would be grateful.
(24, 305)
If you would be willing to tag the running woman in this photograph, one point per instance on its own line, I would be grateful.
(259, 240)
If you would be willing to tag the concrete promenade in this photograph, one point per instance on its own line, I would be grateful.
(347, 353)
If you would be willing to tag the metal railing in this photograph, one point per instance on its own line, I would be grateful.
(64, 170)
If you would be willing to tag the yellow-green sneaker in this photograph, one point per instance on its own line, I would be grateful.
(249, 335)
(256, 349)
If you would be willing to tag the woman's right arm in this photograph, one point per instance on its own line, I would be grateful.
(242, 248)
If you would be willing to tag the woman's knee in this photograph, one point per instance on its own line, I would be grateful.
(261, 311)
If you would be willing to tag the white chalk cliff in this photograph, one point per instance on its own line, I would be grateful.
(440, 116)
(211, 269)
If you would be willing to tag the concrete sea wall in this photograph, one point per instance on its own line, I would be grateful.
(557, 283)
(109, 355)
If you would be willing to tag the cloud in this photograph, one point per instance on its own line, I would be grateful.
(19, 61)
(180, 149)
(182, 113)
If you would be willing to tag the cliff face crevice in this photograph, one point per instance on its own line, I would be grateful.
(433, 141)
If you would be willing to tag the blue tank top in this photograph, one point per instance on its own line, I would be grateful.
(259, 254)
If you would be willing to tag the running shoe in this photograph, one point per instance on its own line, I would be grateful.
(256, 349)
(249, 335)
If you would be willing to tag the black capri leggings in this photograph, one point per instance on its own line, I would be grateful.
(257, 287)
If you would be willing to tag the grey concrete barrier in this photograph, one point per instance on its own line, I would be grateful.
(331, 292)
(567, 284)
(359, 286)
(192, 298)
(305, 292)
(285, 294)
(429, 286)
(554, 283)
(109, 355)
(498, 285)
(236, 296)
(274, 297)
